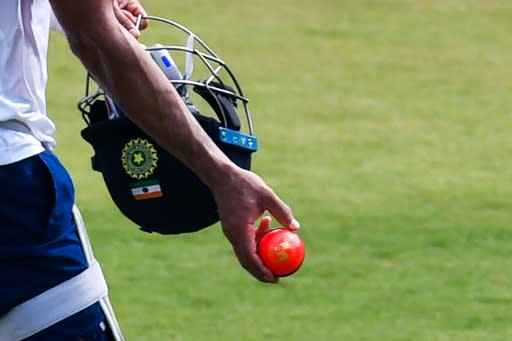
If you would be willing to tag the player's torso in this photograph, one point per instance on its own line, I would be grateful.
(24, 125)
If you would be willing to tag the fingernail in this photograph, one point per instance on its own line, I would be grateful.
(295, 224)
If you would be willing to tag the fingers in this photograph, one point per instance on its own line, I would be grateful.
(132, 18)
(136, 9)
(245, 251)
(126, 19)
(263, 228)
(280, 211)
(126, 12)
(133, 6)
(244, 242)
(241, 201)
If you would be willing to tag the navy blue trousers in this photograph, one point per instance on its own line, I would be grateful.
(39, 244)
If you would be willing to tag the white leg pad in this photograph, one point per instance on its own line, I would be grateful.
(105, 304)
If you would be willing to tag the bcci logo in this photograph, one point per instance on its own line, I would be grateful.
(139, 158)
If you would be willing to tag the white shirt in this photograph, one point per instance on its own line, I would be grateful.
(25, 128)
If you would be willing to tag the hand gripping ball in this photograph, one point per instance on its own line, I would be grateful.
(282, 251)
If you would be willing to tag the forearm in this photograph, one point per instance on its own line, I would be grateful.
(146, 96)
(149, 99)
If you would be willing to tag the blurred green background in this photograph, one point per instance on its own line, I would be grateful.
(385, 125)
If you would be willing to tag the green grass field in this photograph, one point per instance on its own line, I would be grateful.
(385, 124)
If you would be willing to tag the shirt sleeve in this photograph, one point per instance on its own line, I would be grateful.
(55, 25)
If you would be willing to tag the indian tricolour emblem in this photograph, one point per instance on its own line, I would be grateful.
(146, 189)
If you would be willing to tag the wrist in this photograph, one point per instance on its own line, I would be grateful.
(219, 175)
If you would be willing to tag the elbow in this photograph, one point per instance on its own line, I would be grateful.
(85, 50)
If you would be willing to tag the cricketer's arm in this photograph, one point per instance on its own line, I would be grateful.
(101, 37)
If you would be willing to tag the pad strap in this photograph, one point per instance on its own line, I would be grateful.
(54, 305)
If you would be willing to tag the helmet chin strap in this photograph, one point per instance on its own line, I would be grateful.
(221, 103)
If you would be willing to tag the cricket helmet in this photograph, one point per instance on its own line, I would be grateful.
(149, 185)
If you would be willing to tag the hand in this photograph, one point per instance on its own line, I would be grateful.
(126, 12)
(240, 203)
